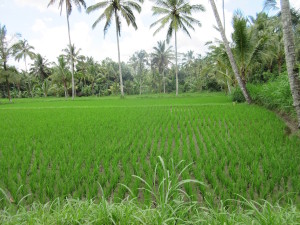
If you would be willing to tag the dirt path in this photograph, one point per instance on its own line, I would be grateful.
(291, 124)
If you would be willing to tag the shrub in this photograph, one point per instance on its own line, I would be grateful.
(274, 94)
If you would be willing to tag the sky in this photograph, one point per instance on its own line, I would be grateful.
(46, 30)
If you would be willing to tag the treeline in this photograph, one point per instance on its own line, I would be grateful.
(257, 45)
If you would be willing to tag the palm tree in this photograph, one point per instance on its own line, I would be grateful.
(290, 56)
(61, 73)
(72, 56)
(117, 8)
(40, 67)
(5, 51)
(92, 72)
(188, 58)
(178, 14)
(223, 9)
(229, 53)
(21, 50)
(247, 46)
(161, 58)
(138, 61)
(68, 4)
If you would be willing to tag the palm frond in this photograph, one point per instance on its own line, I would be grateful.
(133, 5)
(97, 6)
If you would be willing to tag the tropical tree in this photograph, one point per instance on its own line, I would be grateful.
(188, 58)
(22, 50)
(290, 55)
(139, 61)
(72, 55)
(93, 73)
(40, 67)
(116, 9)
(242, 85)
(68, 4)
(178, 15)
(247, 46)
(6, 51)
(8, 76)
(161, 59)
(61, 73)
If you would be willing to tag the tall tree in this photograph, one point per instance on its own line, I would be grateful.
(115, 9)
(40, 67)
(161, 58)
(139, 60)
(247, 46)
(61, 73)
(178, 15)
(6, 51)
(290, 55)
(68, 4)
(22, 50)
(72, 56)
(230, 55)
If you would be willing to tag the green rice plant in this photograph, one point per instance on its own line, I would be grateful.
(166, 189)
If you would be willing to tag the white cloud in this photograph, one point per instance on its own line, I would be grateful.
(295, 4)
(50, 36)
(50, 41)
(41, 5)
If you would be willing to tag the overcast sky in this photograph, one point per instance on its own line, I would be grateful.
(46, 30)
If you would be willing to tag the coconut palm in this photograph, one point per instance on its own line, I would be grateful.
(188, 58)
(247, 46)
(242, 85)
(139, 60)
(61, 73)
(22, 50)
(40, 67)
(68, 4)
(6, 51)
(178, 15)
(161, 58)
(290, 56)
(117, 9)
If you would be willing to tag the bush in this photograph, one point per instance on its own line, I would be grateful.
(237, 95)
(275, 94)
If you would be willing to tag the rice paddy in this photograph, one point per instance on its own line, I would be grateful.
(62, 148)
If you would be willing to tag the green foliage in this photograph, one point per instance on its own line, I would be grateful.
(237, 95)
(274, 94)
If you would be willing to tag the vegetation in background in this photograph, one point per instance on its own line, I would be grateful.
(275, 95)
(260, 59)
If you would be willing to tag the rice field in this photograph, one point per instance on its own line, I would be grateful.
(62, 148)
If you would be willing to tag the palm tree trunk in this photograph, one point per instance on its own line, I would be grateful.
(223, 8)
(230, 55)
(164, 81)
(228, 85)
(7, 83)
(290, 56)
(8, 91)
(25, 64)
(66, 90)
(19, 89)
(140, 82)
(176, 68)
(119, 58)
(224, 25)
(71, 52)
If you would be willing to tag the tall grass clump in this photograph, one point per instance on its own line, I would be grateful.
(274, 95)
